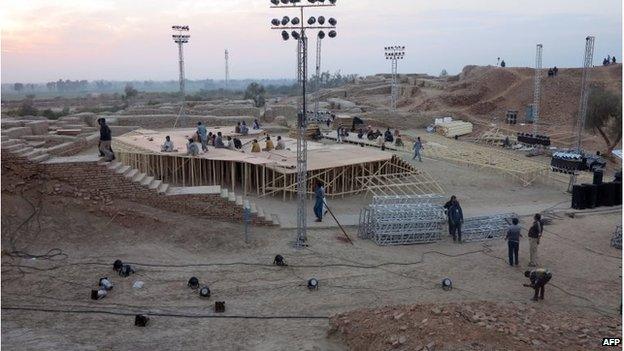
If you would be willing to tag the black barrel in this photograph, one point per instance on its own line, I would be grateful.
(578, 197)
(598, 174)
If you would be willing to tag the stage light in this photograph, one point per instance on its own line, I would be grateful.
(321, 20)
(98, 294)
(117, 265)
(141, 320)
(332, 21)
(275, 2)
(204, 291)
(295, 21)
(279, 261)
(333, 2)
(193, 283)
(447, 284)
(125, 270)
(321, 34)
(312, 284)
(311, 20)
(285, 35)
(285, 2)
(285, 20)
(105, 284)
(295, 35)
(275, 22)
(332, 33)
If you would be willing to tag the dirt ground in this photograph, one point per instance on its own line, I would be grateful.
(267, 307)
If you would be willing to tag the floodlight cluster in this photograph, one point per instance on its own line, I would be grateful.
(180, 38)
(319, 21)
(394, 52)
(295, 2)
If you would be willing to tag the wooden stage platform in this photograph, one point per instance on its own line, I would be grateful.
(344, 169)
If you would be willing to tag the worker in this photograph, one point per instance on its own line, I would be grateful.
(613, 61)
(219, 141)
(539, 278)
(191, 148)
(237, 144)
(456, 219)
(535, 233)
(281, 145)
(417, 147)
(237, 129)
(503, 64)
(339, 134)
(319, 192)
(388, 136)
(256, 124)
(398, 142)
(255, 147)
(202, 133)
(168, 145)
(360, 133)
(513, 241)
(380, 140)
(555, 70)
(105, 141)
(244, 130)
(229, 143)
(269, 144)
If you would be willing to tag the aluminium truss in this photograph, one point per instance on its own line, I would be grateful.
(486, 227)
(616, 240)
(402, 220)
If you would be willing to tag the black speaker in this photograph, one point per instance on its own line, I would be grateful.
(618, 193)
(603, 194)
(591, 195)
(612, 196)
(578, 198)
(598, 174)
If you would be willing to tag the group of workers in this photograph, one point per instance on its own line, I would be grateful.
(268, 146)
(609, 60)
(552, 72)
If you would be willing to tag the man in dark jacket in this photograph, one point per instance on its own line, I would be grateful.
(539, 277)
(535, 233)
(455, 218)
(105, 141)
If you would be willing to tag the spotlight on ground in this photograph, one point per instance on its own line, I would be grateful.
(447, 284)
(204, 291)
(312, 284)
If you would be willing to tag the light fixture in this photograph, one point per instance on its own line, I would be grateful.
(295, 35)
(279, 261)
(141, 320)
(311, 20)
(285, 35)
(285, 20)
(321, 20)
(117, 265)
(295, 21)
(321, 34)
(275, 22)
(275, 2)
(105, 284)
(312, 284)
(332, 34)
(204, 291)
(193, 283)
(332, 21)
(447, 284)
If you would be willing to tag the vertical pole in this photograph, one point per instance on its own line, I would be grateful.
(182, 87)
(537, 87)
(227, 69)
(318, 78)
(301, 141)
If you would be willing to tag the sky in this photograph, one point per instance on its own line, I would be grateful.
(46, 40)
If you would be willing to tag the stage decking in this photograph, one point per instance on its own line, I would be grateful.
(343, 168)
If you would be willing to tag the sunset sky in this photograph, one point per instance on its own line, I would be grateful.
(44, 40)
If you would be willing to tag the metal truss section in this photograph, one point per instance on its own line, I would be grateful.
(402, 220)
(616, 240)
(486, 227)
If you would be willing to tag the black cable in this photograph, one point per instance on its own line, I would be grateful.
(158, 314)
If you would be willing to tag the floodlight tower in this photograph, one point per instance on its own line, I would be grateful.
(180, 38)
(227, 69)
(537, 86)
(394, 53)
(299, 27)
(587, 64)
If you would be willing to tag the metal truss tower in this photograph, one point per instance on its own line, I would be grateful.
(537, 87)
(227, 69)
(394, 53)
(181, 39)
(587, 64)
(299, 27)
(318, 77)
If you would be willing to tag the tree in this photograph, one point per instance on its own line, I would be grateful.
(256, 92)
(18, 87)
(604, 115)
(130, 91)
